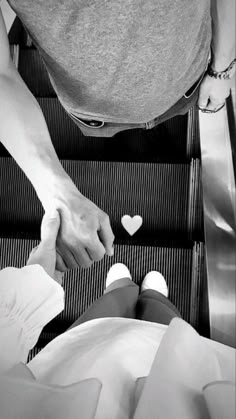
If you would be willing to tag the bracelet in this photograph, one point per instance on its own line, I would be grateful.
(225, 74)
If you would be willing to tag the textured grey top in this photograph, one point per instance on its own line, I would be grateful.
(119, 60)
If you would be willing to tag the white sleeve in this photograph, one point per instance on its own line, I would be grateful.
(29, 299)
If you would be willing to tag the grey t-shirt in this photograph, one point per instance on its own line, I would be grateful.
(119, 60)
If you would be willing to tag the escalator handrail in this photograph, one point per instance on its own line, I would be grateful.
(219, 208)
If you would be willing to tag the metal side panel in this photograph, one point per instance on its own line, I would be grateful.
(219, 200)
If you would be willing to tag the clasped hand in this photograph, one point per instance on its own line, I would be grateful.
(213, 93)
(75, 232)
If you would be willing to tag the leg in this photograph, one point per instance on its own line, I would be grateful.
(153, 304)
(119, 300)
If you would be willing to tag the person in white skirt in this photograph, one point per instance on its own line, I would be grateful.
(96, 369)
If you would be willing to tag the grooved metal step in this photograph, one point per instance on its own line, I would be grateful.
(17, 34)
(34, 73)
(160, 193)
(166, 142)
(182, 268)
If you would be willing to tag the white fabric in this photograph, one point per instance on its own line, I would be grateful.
(113, 351)
(117, 351)
(220, 399)
(22, 398)
(184, 365)
(29, 299)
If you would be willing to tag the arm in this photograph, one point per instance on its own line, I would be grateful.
(213, 92)
(23, 130)
(223, 33)
(85, 233)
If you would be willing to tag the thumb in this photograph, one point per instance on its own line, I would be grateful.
(49, 228)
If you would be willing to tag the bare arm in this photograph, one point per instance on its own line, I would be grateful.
(23, 130)
(85, 233)
(213, 92)
(223, 33)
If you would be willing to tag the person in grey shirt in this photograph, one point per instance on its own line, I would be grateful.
(114, 65)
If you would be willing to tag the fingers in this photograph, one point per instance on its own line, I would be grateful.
(96, 251)
(212, 94)
(60, 265)
(106, 236)
(49, 229)
(82, 257)
(212, 107)
(58, 276)
(79, 255)
(74, 256)
(85, 234)
(209, 104)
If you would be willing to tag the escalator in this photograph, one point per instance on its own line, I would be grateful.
(155, 174)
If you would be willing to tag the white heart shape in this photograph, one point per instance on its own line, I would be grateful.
(131, 224)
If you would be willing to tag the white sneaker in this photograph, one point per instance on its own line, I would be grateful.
(117, 271)
(155, 281)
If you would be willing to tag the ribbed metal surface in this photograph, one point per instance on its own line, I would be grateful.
(83, 286)
(34, 352)
(158, 193)
(156, 145)
(177, 131)
(34, 73)
(198, 271)
(195, 215)
(193, 137)
(17, 34)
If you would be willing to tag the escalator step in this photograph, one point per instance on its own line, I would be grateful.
(34, 73)
(166, 142)
(83, 286)
(17, 34)
(157, 192)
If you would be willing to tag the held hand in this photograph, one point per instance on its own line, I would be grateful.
(213, 93)
(45, 253)
(85, 234)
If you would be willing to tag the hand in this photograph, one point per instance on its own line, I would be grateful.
(45, 253)
(213, 93)
(85, 233)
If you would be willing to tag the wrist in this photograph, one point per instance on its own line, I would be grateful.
(50, 182)
(58, 192)
(226, 72)
(221, 61)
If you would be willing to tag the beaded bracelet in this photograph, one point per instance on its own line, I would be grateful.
(225, 74)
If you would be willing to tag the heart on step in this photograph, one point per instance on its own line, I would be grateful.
(131, 224)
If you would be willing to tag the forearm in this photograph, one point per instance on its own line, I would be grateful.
(223, 33)
(24, 133)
